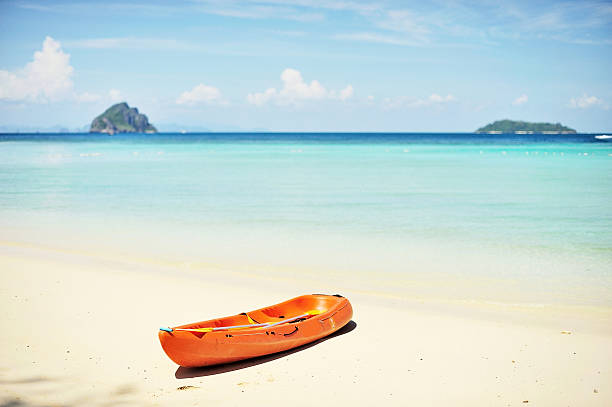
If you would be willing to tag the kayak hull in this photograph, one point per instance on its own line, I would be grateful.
(193, 349)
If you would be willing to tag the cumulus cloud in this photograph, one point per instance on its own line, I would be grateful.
(48, 77)
(200, 94)
(260, 99)
(520, 100)
(585, 101)
(346, 93)
(295, 89)
(115, 95)
(433, 100)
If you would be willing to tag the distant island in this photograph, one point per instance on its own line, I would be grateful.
(519, 127)
(121, 118)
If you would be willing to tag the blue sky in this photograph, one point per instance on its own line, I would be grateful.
(308, 65)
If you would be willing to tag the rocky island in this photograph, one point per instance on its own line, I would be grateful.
(520, 127)
(121, 118)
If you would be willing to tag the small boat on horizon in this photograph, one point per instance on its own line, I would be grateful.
(603, 137)
(268, 330)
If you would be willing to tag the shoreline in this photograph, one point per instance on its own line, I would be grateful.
(423, 294)
(377, 282)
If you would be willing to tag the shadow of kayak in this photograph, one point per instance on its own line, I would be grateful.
(190, 372)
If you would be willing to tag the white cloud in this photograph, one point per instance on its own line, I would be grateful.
(260, 99)
(520, 100)
(295, 90)
(200, 94)
(47, 78)
(346, 93)
(115, 95)
(585, 101)
(433, 100)
(294, 86)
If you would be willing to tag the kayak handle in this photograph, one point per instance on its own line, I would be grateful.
(165, 329)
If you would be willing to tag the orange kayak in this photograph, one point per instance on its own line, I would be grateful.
(256, 333)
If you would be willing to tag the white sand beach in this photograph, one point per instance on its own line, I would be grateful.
(81, 329)
(446, 166)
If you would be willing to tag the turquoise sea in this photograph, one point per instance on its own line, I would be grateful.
(531, 215)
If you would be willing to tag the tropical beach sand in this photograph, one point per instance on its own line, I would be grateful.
(80, 329)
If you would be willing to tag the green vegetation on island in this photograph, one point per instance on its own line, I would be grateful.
(519, 127)
(120, 118)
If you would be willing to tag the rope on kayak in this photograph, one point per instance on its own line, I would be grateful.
(298, 318)
(292, 332)
(251, 320)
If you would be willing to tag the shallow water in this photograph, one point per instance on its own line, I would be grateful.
(413, 210)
